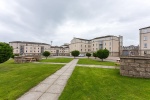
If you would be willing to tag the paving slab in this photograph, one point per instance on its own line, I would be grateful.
(31, 96)
(55, 89)
(48, 96)
(52, 87)
(40, 88)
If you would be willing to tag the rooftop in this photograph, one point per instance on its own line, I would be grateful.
(82, 39)
(105, 36)
(144, 28)
(28, 42)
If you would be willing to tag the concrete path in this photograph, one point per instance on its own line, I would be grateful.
(49, 63)
(99, 66)
(52, 87)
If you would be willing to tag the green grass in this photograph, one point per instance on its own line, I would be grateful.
(95, 62)
(57, 60)
(16, 79)
(104, 84)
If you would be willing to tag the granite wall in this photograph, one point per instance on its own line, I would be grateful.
(135, 66)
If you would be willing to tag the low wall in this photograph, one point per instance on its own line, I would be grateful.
(135, 66)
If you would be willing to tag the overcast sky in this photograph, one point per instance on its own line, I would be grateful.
(61, 20)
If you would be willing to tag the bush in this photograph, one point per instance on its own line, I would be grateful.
(75, 53)
(103, 53)
(95, 54)
(46, 54)
(6, 52)
(88, 55)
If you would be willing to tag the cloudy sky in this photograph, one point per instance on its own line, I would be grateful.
(61, 20)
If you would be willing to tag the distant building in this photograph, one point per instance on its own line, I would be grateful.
(60, 50)
(144, 41)
(130, 50)
(29, 48)
(110, 42)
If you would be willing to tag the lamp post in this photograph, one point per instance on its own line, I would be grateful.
(51, 43)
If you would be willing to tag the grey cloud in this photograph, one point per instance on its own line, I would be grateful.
(39, 20)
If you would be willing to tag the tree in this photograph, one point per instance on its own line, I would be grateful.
(88, 55)
(6, 52)
(103, 53)
(95, 54)
(75, 53)
(46, 54)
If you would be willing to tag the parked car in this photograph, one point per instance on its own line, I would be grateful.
(81, 55)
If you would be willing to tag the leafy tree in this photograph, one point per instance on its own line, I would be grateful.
(6, 52)
(46, 54)
(88, 55)
(95, 54)
(103, 53)
(75, 53)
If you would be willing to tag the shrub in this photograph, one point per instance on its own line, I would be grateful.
(103, 53)
(6, 52)
(95, 54)
(75, 53)
(88, 55)
(46, 54)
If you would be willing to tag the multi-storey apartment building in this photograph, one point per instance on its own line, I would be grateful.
(112, 43)
(144, 41)
(60, 50)
(82, 45)
(28, 48)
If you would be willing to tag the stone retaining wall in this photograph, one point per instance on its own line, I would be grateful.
(135, 66)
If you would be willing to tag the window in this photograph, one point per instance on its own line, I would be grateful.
(145, 45)
(145, 38)
(85, 45)
(81, 49)
(105, 43)
(26, 50)
(85, 49)
(109, 48)
(93, 44)
(81, 45)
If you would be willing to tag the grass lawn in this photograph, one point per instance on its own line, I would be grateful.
(104, 84)
(95, 62)
(16, 79)
(57, 60)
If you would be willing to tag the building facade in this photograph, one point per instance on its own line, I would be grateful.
(29, 48)
(144, 41)
(34, 48)
(60, 50)
(112, 43)
(130, 50)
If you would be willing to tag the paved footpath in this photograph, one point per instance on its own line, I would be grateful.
(52, 87)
